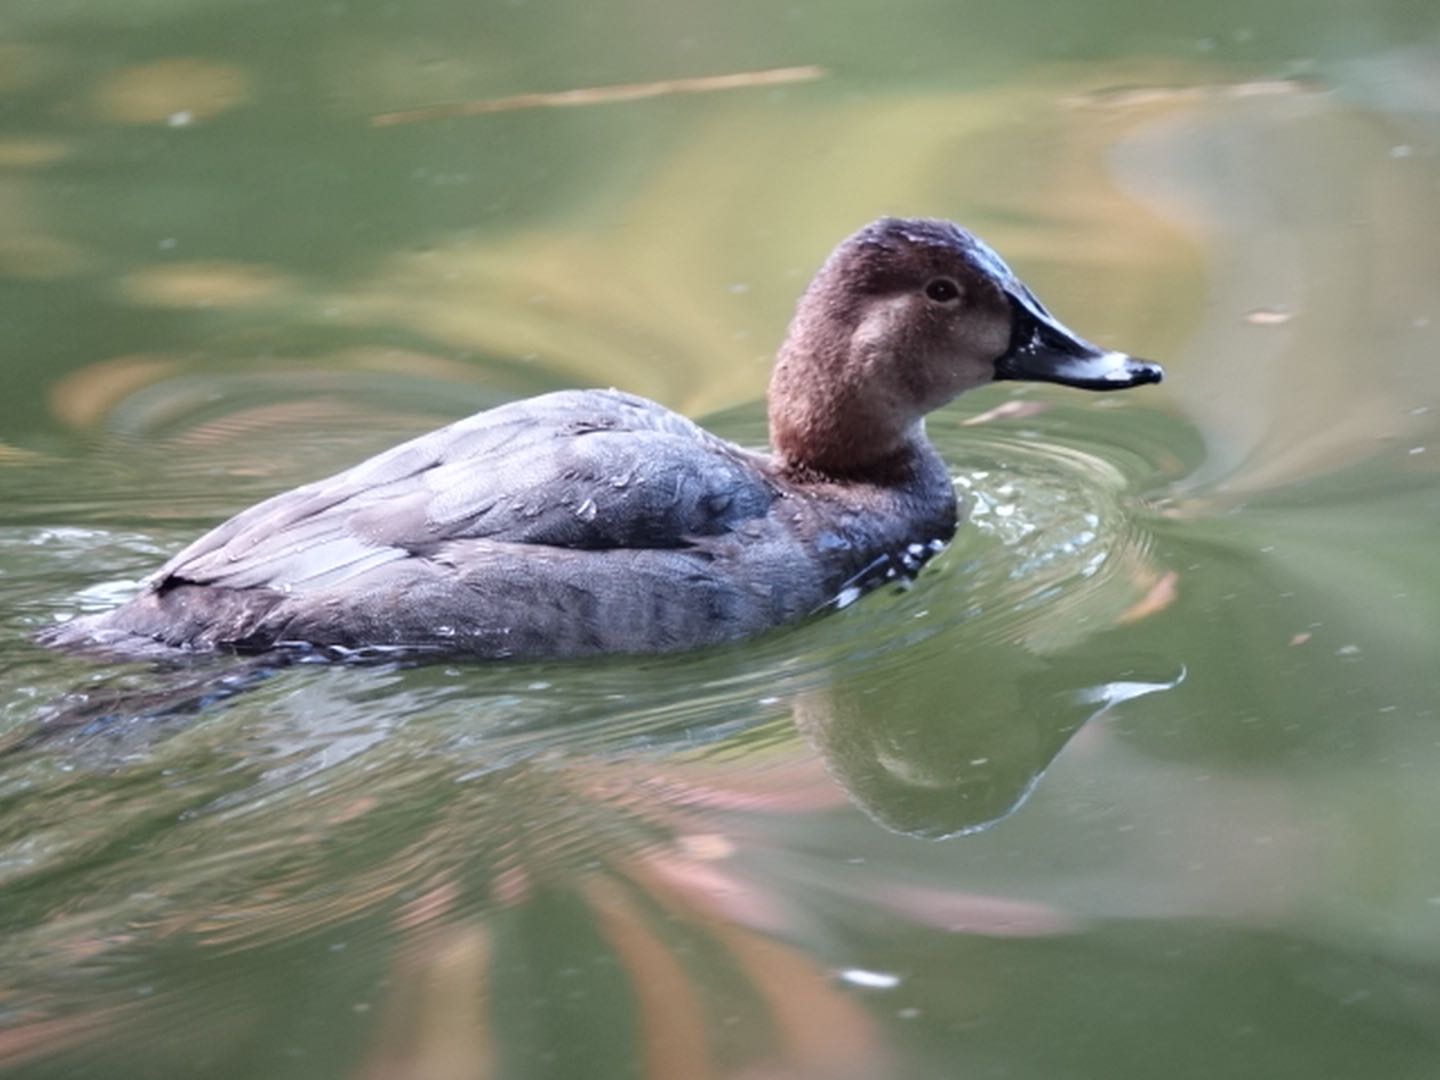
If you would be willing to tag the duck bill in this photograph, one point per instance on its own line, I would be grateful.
(1042, 349)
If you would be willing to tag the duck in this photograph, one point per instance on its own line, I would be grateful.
(584, 522)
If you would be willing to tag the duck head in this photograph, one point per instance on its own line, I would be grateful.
(903, 316)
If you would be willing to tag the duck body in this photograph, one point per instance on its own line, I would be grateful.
(572, 523)
(595, 521)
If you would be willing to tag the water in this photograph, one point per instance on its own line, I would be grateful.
(1135, 780)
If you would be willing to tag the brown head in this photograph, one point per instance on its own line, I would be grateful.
(903, 316)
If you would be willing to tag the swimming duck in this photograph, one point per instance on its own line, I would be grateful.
(594, 521)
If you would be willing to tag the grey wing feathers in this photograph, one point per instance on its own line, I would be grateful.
(577, 469)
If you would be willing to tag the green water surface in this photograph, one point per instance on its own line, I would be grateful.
(1137, 780)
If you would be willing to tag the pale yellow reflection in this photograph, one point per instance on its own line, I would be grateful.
(1175, 93)
(605, 95)
(84, 398)
(177, 91)
(684, 288)
(10, 455)
(211, 284)
(19, 152)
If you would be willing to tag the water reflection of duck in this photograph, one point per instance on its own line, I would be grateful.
(963, 748)
(595, 521)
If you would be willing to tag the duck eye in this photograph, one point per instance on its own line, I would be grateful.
(942, 290)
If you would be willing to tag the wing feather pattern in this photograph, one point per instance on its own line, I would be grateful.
(575, 469)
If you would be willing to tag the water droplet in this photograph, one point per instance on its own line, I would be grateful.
(875, 980)
(1268, 317)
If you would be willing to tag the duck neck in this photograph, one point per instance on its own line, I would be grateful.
(827, 418)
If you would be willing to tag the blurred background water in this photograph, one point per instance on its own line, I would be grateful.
(1136, 780)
